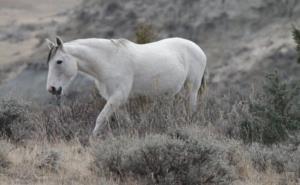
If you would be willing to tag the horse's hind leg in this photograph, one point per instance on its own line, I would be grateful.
(193, 85)
(193, 96)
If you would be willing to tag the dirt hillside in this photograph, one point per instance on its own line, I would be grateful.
(243, 40)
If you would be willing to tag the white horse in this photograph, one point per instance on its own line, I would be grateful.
(122, 69)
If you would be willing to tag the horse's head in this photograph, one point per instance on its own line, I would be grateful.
(62, 67)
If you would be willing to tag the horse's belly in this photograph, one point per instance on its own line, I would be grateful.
(168, 81)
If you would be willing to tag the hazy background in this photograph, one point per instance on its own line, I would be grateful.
(242, 39)
(246, 127)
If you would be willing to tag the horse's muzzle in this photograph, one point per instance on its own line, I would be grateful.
(55, 91)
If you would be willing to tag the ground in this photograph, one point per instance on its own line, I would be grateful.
(42, 143)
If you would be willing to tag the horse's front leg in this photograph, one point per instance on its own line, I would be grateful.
(112, 104)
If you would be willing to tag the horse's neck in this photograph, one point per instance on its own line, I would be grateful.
(91, 57)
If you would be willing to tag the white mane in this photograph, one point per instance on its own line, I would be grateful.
(119, 42)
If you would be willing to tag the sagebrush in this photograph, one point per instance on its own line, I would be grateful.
(273, 112)
(159, 159)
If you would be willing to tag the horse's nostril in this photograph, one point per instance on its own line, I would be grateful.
(55, 91)
(51, 89)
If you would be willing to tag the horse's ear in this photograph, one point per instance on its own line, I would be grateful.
(59, 41)
(50, 44)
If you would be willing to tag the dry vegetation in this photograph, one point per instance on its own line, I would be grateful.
(231, 139)
(159, 143)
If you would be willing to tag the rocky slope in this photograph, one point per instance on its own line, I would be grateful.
(242, 39)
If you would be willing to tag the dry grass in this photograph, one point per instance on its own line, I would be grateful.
(72, 167)
(76, 163)
(60, 151)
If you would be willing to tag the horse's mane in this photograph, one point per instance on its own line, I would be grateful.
(119, 42)
(116, 42)
(52, 52)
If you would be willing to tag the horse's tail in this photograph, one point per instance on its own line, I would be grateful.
(203, 83)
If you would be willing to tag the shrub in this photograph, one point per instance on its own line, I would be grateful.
(159, 159)
(11, 112)
(272, 117)
(15, 120)
(296, 36)
(20, 121)
(144, 33)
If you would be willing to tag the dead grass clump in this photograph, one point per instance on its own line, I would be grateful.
(156, 115)
(159, 159)
(4, 150)
(49, 160)
(70, 120)
(280, 159)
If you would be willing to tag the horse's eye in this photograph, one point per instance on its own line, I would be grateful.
(59, 62)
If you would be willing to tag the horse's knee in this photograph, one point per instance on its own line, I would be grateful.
(112, 104)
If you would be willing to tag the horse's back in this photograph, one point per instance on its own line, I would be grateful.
(188, 52)
(164, 66)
